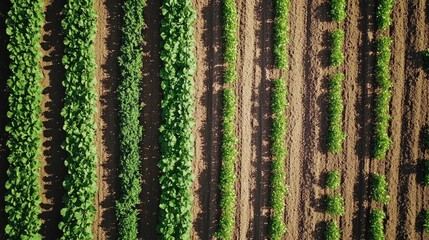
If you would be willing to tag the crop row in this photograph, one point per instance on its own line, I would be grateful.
(22, 197)
(382, 99)
(230, 28)
(334, 205)
(376, 224)
(281, 33)
(426, 172)
(384, 9)
(338, 10)
(332, 231)
(80, 184)
(426, 221)
(379, 191)
(177, 104)
(337, 55)
(130, 131)
(335, 113)
(278, 185)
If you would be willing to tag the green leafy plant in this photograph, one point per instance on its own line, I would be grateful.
(130, 131)
(333, 179)
(230, 28)
(278, 149)
(335, 205)
(80, 184)
(337, 41)
(23, 25)
(382, 99)
(426, 172)
(376, 225)
(335, 135)
(332, 231)
(338, 10)
(379, 191)
(426, 221)
(281, 33)
(384, 9)
(177, 104)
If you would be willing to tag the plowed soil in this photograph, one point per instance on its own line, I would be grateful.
(307, 81)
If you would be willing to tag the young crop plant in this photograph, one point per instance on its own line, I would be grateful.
(278, 186)
(332, 231)
(80, 184)
(333, 180)
(426, 221)
(335, 205)
(281, 33)
(426, 172)
(338, 10)
(177, 104)
(337, 40)
(228, 175)
(22, 199)
(379, 191)
(230, 28)
(130, 131)
(335, 135)
(376, 225)
(382, 99)
(384, 9)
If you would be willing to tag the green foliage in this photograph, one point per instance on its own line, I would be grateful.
(384, 9)
(427, 52)
(177, 104)
(379, 191)
(130, 62)
(425, 138)
(230, 29)
(382, 99)
(24, 22)
(426, 221)
(338, 10)
(278, 149)
(335, 205)
(333, 180)
(335, 135)
(376, 226)
(281, 33)
(426, 172)
(337, 40)
(80, 184)
(332, 231)
(227, 174)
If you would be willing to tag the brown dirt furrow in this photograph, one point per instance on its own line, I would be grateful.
(4, 69)
(208, 82)
(295, 112)
(393, 174)
(107, 44)
(53, 169)
(151, 121)
(350, 163)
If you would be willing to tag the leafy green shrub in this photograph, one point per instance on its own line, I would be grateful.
(278, 149)
(379, 191)
(384, 9)
(426, 172)
(332, 231)
(337, 41)
(227, 174)
(426, 221)
(376, 225)
(333, 180)
(335, 205)
(338, 10)
(230, 29)
(22, 199)
(177, 104)
(130, 131)
(80, 184)
(382, 99)
(335, 135)
(281, 33)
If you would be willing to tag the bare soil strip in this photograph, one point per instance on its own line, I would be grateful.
(4, 70)
(151, 120)
(208, 82)
(107, 46)
(53, 169)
